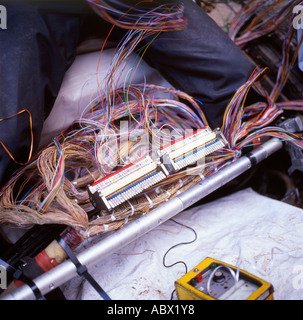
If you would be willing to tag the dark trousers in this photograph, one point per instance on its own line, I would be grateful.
(39, 45)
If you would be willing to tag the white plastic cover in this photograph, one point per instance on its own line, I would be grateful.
(83, 83)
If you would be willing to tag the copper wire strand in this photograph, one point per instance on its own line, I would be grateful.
(31, 137)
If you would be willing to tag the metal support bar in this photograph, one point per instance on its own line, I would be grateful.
(117, 240)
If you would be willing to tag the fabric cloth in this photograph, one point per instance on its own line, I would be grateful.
(36, 50)
(201, 61)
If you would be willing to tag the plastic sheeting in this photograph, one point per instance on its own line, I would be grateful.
(260, 235)
(84, 82)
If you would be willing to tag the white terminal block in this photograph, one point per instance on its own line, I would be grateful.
(191, 144)
(191, 149)
(188, 139)
(133, 179)
(127, 182)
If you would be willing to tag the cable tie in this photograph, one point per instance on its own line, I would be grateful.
(113, 218)
(18, 275)
(201, 176)
(132, 207)
(82, 269)
(151, 204)
(168, 193)
(181, 183)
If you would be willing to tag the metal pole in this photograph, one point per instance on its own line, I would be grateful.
(117, 240)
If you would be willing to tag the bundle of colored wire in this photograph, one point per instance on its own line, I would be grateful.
(258, 18)
(163, 17)
(52, 188)
(243, 124)
(287, 62)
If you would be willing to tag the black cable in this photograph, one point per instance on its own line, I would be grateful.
(176, 245)
(179, 244)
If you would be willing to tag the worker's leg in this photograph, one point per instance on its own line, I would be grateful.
(202, 61)
(36, 49)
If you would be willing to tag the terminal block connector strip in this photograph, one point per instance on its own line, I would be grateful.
(191, 149)
(125, 183)
(116, 188)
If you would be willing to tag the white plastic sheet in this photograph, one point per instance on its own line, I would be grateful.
(85, 81)
(261, 235)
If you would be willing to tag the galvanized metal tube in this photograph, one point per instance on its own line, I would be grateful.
(117, 240)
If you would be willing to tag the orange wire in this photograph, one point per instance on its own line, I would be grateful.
(32, 137)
